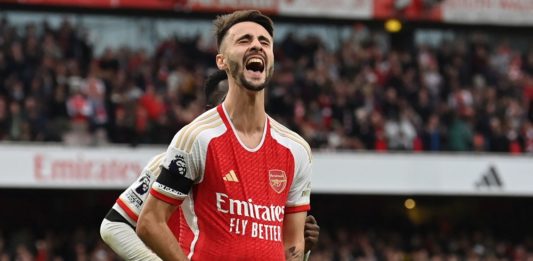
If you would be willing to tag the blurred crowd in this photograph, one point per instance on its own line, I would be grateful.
(352, 227)
(372, 245)
(342, 244)
(53, 245)
(467, 94)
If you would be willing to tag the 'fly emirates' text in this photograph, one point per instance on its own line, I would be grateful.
(254, 229)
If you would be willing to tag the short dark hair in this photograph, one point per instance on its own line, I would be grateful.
(224, 22)
(213, 95)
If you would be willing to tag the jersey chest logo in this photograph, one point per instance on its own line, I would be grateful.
(278, 180)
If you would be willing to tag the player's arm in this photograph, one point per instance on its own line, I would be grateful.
(118, 227)
(153, 230)
(293, 235)
(298, 203)
(178, 170)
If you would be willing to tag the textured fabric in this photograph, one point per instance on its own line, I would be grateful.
(130, 203)
(235, 210)
(125, 242)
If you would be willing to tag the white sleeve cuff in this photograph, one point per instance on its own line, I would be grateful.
(124, 241)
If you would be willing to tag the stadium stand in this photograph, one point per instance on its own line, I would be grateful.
(354, 227)
(467, 94)
(470, 93)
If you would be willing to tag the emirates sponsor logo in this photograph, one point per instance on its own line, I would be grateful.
(248, 208)
(83, 169)
(278, 180)
(249, 219)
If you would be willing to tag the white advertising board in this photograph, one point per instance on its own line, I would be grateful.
(337, 173)
(498, 12)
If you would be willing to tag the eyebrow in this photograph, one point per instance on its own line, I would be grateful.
(264, 38)
(249, 36)
(246, 36)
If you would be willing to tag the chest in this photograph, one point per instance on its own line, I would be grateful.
(263, 176)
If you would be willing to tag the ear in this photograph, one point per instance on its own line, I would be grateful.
(221, 62)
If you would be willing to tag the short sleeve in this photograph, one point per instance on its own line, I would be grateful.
(300, 191)
(131, 201)
(179, 169)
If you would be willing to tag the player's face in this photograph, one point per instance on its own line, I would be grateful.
(249, 55)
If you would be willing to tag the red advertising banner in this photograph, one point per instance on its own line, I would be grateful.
(409, 10)
(136, 4)
(501, 12)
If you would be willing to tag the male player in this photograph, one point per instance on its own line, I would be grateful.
(118, 227)
(242, 180)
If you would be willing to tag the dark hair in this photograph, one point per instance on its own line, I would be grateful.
(212, 97)
(224, 22)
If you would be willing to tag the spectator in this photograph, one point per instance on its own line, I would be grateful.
(4, 119)
(470, 93)
(460, 134)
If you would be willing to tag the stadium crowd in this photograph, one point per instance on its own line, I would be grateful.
(80, 245)
(463, 95)
(469, 94)
(395, 246)
(342, 244)
(64, 225)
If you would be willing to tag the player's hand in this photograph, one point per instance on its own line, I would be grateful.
(311, 233)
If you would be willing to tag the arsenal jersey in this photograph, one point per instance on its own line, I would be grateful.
(234, 198)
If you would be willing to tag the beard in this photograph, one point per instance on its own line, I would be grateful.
(237, 72)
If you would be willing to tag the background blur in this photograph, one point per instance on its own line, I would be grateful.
(420, 114)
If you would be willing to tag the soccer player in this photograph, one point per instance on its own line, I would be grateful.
(241, 179)
(118, 227)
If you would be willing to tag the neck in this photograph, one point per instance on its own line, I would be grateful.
(246, 109)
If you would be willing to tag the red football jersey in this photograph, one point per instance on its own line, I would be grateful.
(234, 198)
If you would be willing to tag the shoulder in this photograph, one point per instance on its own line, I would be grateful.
(205, 127)
(290, 139)
(153, 165)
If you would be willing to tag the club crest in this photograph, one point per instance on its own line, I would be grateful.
(278, 180)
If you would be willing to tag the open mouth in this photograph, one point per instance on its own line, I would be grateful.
(255, 65)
